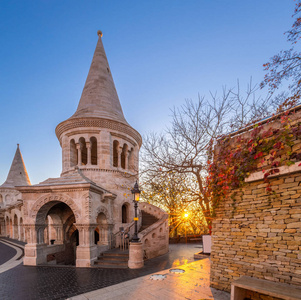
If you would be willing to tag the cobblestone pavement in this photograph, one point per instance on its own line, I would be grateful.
(6, 253)
(54, 282)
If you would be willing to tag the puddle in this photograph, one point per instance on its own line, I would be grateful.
(177, 271)
(157, 277)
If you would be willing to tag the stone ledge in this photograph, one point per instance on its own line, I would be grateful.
(283, 170)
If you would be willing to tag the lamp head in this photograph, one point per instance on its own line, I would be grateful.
(136, 192)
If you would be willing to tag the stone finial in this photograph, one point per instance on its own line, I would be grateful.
(99, 33)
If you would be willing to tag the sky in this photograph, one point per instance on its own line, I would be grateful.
(160, 53)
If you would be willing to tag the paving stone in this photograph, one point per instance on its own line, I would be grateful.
(55, 282)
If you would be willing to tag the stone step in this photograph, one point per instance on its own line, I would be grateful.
(111, 263)
(113, 258)
(110, 267)
(117, 254)
(147, 220)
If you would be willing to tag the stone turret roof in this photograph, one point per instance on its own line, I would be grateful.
(99, 97)
(17, 175)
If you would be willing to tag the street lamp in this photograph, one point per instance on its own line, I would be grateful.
(136, 192)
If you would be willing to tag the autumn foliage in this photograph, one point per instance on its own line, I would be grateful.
(263, 147)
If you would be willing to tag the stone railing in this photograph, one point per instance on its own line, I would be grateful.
(155, 237)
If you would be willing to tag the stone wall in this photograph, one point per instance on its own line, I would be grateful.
(259, 235)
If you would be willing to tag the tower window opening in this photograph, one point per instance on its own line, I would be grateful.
(125, 213)
(73, 154)
(93, 142)
(115, 153)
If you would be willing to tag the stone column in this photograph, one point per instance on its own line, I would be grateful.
(126, 163)
(119, 150)
(40, 228)
(110, 236)
(34, 253)
(19, 232)
(136, 256)
(59, 233)
(86, 251)
(88, 145)
(79, 154)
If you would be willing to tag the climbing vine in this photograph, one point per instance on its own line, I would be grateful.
(264, 147)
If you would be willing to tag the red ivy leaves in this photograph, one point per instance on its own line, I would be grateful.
(238, 157)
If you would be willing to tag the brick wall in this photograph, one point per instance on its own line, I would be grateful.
(259, 235)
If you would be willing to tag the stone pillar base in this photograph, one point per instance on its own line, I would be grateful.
(34, 254)
(136, 256)
(85, 256)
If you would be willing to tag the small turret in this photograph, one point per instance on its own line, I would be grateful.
(17, 175)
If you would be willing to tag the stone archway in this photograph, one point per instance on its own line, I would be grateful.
(102, 229)
(48, 238)
(59, 233)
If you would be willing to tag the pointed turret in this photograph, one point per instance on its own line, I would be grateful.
(97, 138)
(99, 97)
(17, 174)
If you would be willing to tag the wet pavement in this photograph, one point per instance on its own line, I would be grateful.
(61, 282)
(6, 253)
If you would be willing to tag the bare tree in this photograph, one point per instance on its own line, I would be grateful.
(186, 147)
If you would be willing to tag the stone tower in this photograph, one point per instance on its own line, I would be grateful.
(97, 139)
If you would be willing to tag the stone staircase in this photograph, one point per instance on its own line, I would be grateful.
(113, 258)
(147, 220)
(116, 258)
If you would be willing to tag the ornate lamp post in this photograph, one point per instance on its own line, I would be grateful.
(136, 192)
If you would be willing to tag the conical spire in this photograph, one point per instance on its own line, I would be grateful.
(99, 97)
(17, 174)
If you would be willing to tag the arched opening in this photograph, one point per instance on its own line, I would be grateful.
(1, 199)
(93, 142)
(102, 229)
(124, 157)
(83, 149)
(21, 230)
(115, 153)
(96, 235)
(55, 227)
(125, 213)
(73, 154)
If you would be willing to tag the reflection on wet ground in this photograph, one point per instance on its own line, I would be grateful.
(24, 282)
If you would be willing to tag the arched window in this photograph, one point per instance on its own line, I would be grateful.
(115, 153)
(83, 149)
(125, 213)
(124, 156)
(1, 199)
(96, 235)
(73, 154)
(93, 142)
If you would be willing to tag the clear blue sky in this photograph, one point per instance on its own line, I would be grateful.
(161, 52)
